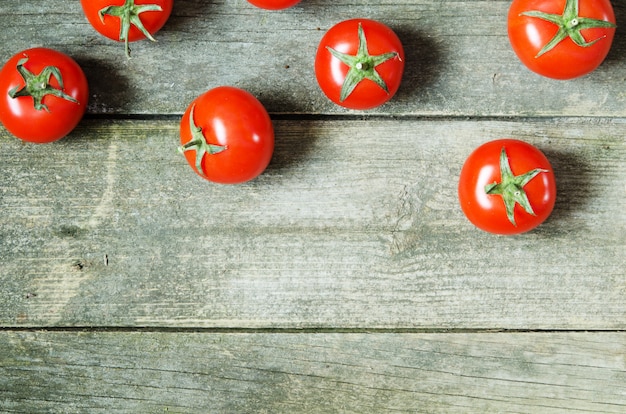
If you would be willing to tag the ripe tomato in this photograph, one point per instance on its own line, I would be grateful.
(227, 136)
(274, 4)
(507, 186)
(561, 39)
(127, 20)
(359, 63)
(44, 95)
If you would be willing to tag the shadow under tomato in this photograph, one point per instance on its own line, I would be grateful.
(574, 187)
(423, 62)
(109, 88)
(294, 141)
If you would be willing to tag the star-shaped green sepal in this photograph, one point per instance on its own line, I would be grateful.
(129, 15)
(362, 66)
(511, 188)
(570, 25)
(38, 86)
(199, 144)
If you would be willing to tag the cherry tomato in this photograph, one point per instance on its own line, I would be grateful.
(127, 20)
(227, 136)
(274, 4)
(507, 186)
(561, 39)
(43, 95)
(359, 63)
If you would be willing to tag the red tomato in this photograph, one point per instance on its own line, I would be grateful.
(274, 4)
(359, 63)
(127, 20)
(561, 39)
(44, 95)
(507, 187)
(227, 136)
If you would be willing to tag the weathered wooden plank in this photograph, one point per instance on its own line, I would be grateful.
(354, 224)
(458, 58)
(312, 373)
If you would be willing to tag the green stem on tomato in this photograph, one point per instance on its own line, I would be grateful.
(198, 143)
(570, 25)
(128, 14)
(362, 66)
(511, 187)
(38, 86)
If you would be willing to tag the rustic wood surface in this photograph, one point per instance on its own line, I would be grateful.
(156, 372)
(345, 278)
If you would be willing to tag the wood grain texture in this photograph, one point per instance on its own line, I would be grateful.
(354, 224)
(129, 284)
(312, 373)
(459, 61)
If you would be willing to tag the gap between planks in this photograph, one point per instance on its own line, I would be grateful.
(321, 330)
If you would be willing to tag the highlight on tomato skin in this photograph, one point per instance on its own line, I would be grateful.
(561, 39)
(43, 95)
(507, 187)
(227, 136)
(274, 4)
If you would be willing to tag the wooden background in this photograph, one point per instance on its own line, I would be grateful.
(345, 278)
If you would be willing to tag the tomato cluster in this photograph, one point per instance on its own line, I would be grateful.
(44, 93)
(226, 135)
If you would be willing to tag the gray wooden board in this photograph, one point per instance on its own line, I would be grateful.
(150, 372)
(355, 223)
(459, 61)
(354, 227)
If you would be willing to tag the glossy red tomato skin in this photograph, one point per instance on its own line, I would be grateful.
(274, 4)
(19, 116)
(153, 21)
(234, 118)
(482, 167)
(331, 72)
(528, 35)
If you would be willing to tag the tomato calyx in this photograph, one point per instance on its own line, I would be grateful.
(199, 144)
(511, 187)
(570, 25)
(38, 86)
(128, 14)
(362, 66)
